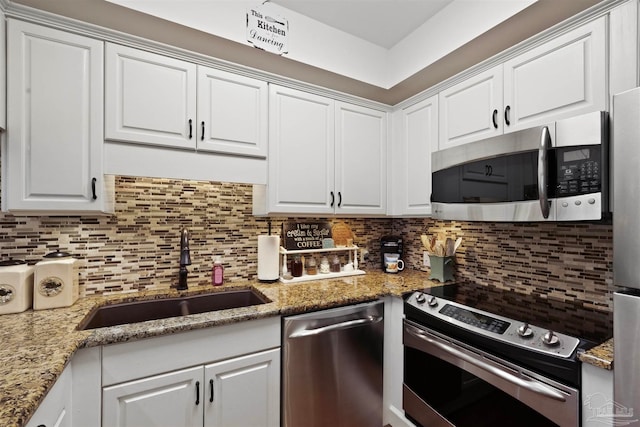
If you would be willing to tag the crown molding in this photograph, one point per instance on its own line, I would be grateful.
(309, 78)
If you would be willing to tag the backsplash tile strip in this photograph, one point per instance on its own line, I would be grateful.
(566, 261)
(138, 247)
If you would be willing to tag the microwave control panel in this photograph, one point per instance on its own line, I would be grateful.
(579, 170)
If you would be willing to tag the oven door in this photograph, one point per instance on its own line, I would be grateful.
(447, 383)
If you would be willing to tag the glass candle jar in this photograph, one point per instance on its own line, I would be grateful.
(335, 264)
(324, 265)
(312, 267)
(296, 267)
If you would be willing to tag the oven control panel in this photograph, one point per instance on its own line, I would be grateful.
(513, 332)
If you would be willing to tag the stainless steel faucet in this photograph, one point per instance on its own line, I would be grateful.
(185, 259)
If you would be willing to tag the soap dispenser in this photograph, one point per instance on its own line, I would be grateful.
(217, 272)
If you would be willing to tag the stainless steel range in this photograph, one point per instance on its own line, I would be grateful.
(484, 356)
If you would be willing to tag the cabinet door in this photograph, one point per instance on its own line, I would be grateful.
(471, 110)
(562, 78)
(172, 399)
(232, 113)
(3, 70)
(150, 98)
(55, 409)
(361, 160)
(301, 152)
(244, 392)
(419, 139)
(54, 147)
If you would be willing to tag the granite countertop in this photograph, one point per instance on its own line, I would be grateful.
(600, 356)
(37, 345)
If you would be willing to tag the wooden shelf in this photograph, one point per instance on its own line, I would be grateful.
(320, 276)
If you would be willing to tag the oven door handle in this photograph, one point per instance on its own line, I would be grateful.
(526, 383)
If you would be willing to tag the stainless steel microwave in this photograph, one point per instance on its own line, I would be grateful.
(555, 172)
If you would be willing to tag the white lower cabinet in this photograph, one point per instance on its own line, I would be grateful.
(223, 376)
(162, 400)
(598, 406)
(241, 392)
(244, 391)
(55, 410)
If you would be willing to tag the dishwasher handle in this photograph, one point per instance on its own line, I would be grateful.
(336, 326)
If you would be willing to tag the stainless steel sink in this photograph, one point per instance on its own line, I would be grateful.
(140, 311)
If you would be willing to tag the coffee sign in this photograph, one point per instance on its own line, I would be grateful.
(305, 235)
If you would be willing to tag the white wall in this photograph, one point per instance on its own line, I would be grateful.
(317, 44)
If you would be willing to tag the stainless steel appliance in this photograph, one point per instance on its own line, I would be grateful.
(332, 367)
(626, 255)
(390, 245)
(555, 172)
(466, 365)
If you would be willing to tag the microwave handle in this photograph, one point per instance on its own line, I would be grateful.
(543, 171)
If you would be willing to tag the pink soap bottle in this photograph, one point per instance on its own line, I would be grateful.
(217, 272)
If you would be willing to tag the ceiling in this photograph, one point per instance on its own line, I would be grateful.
(381, 22)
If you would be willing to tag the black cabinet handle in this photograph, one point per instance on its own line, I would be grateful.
(190, 128)
(197, 392)
(506, 115)
(495, 119)
(490, 170)
(339, 198)
(93, 188)
(333, 199)
(202, 135)
(211, 390)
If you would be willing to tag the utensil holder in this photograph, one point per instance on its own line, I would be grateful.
(441, 267)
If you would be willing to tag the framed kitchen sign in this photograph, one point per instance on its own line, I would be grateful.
(305, 235)
(267, 31)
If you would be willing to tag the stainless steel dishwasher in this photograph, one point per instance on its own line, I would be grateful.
(332, 367)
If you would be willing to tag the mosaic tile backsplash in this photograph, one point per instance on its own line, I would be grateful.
(138, 247)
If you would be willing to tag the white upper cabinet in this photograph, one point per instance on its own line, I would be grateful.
(417, 139)
(470, 110)
(301, 152)
(149, 98)
(360, 160)
(155, 99)
(325, 157)
(561, 78)
(232, 113)
(54, 161)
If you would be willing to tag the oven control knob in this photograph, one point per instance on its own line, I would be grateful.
(433, 301)
(524, 330)
(550, 338)
(421, 299)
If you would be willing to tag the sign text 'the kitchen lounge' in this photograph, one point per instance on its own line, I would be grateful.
(267, 31)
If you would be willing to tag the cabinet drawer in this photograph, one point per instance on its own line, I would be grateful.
(153, 356)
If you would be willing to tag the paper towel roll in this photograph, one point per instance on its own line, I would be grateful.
(268, 257)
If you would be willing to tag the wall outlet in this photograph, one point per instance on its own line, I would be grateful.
(364, 255)
(425, 259)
